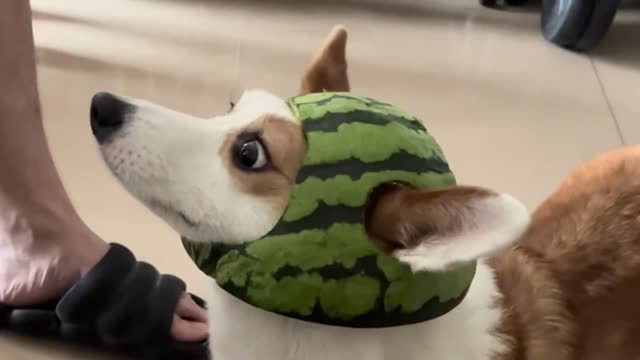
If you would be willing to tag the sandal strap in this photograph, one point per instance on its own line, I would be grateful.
(121, 304)
(83, 303)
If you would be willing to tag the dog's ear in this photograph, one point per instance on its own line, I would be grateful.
(328, 70)
(441, 229)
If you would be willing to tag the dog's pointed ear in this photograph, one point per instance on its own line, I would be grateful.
(328, 70)
(441, 229)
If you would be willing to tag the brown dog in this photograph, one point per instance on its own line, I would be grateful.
(561, 285)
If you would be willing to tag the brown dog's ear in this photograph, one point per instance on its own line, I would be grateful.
(440, 229)
(328, 70)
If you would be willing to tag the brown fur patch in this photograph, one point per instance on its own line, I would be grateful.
(328, 70)
(536, 323)
(582, 251)
(590, 228)
(399, 217)
(595, 250)
(285, 143)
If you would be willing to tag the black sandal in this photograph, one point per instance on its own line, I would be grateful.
(121, 305)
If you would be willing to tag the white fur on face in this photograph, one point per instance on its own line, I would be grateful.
(172, 163)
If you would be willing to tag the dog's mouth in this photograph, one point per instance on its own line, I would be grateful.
(159, 205)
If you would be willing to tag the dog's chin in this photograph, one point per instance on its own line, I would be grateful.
(181, 222)
(172, 213)
(187, 226)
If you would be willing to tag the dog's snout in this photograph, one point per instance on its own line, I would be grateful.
(107, 115)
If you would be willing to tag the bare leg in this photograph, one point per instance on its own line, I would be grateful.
(45, 247)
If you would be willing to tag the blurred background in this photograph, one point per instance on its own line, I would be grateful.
(512, 111)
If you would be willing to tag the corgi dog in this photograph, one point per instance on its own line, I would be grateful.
(562, 283)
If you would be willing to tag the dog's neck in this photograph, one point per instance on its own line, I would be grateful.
(512, 307)
(467, 332)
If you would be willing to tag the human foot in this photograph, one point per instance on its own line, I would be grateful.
(33, 271)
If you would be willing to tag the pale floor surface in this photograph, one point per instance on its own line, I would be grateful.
(512, 112)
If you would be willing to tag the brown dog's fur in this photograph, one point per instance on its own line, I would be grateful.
(406, 207)
(328, 70)
(574, 277)
(571, 285)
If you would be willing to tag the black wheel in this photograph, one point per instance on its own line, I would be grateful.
(563, 21)
(494, 3)
(599, 24)
(516, 2)
(488, 3)
(577, 24)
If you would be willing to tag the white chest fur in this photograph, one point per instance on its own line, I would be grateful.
(242, 332)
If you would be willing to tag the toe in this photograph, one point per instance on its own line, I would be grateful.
(189, 310)
(190, 321)
(188, 331)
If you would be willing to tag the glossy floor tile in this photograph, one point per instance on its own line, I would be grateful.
(617, 63)
(512, 112)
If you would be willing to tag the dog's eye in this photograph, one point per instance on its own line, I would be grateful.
(231, 106)
(252, 155)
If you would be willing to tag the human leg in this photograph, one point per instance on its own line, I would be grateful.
(45, 247)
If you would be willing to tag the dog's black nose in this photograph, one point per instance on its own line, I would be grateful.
(107, 115)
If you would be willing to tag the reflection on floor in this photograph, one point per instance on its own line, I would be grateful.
(512, 112)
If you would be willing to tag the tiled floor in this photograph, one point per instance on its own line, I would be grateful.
(513, 112)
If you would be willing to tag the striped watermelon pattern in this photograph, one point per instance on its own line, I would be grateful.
(317, 263)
